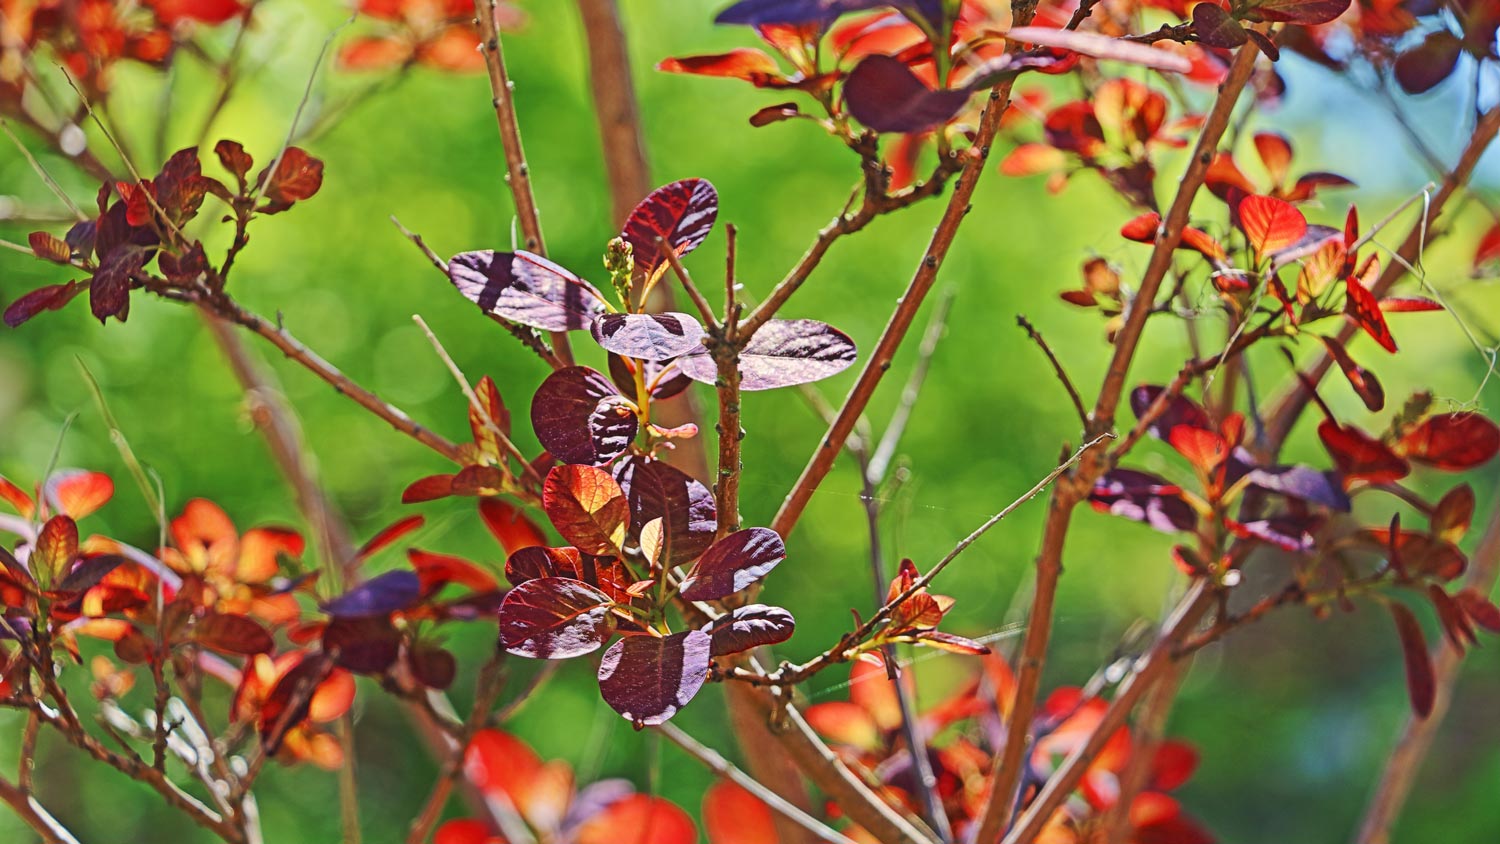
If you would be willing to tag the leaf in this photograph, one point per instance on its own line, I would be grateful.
(88, 574)
(387, 537)
(1143, 497)
(109, 291)
(748, 627)
(1180, 411)
(366, 645)
(732, 815)
(653, 337)
(432, 666)
(1303, 483)
(587, 507)
(783, 353)
(1285, 532)
(1409, 304)
(656, 490)
(1364, 382)
(1215, 28)
(607, 574)
(491, 411)
(554, 618)
(1363, 309)
(1452, 442)
(50, 247)
(745, 63)
(78, 493)
(1423, 67)
(1270, 224)
(1300, 11)
(49, 298)
(233, 157)
(1358, 455)
(633, 819)
(1488, 248)
(775, 114)
(1420, 682)
(648, 679)
(1453, 514)
(1452, 619)
(733, 563)
(681, 213)
(430, 488)
(298, 176)
(883, 94)
(761, 12)
(380, 595)
(56, 546)
(526, 289)
(951, 643)
(1102, 47)
(580, 418)
(232, 634)
(437, 570)
(1479, 608)
(509, 525)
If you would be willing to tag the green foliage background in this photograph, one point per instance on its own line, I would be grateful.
(1293, 717)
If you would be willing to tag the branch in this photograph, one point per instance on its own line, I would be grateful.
(615, 106)
(490, 684)
(517, 173)
(1008, 767)
(1057, 367)
(38, 818)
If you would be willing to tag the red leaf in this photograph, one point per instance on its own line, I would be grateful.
(1301, 11)
(232, 634)
(50, 298)
(554, 618)
(587, 507)
(1423, 67)
(430, 488)
(580, 417)
(491, 411)
(749, 627)
(297, 177)
(1408, 304)
(1489, 247)
(751, 65)
(1361, 306)
(388, 536)
(883, 94)
(1420, 683)
(638, 819)
(49, 247)
(56, 546)
(1358, 455)
(1479, 608)
(232, 155)
(648, 679)
(1270, 224)
(681, 213)
(509, 525)
(1452, 442)
(732, 815)
(1364, 382)
(436, 570)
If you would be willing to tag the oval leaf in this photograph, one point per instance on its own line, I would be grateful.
(783, 353)
(1452, 441)
(648, 679)
(554, 618)
(655, 490)
(883, 94)
(750, 626)
(654, 337)
(233, 634)
(526, 289)
(733, 563)
(587, 507)
(580, 418)
(1270, 224)
(380, 595)
(681, 213)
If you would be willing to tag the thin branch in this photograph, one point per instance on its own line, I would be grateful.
(518, 174)
(1057, 367)
(890, 439)
(35, 815)
(489, 686)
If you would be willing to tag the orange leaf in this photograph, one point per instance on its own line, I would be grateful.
(732, 815)
(746, 63)
(1270, 224)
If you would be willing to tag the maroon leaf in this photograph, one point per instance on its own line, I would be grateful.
(234, 158)
(380, 595)
(784, 352)
(430, 488)
(1143, 497)
(883, 94)
(50, 298)
(1215, 28)
(433, 666)
(656, 490)
(109, 292)
(681, 213)
(648, 679)
(1103, 47)
(1179, 411)
(536, 562)
(232, 634)
(1303, 483)
(1300, 11)
(775, 114)
(587, 507)
(298, 176)
(367, 645)
(1452, 442)
(184, 269)
(88, 574)
(1364, 382)
(1363, 308)
(748, 627)
(50, 247)
(1479, 609)
(1451, 617)
(733, 563)
(1421, 68)
(1420, 683)
(580, 418)
(1357, 455)
(554, 618)
(664, 380)
(526, 289)
(1285, 532)
(654, 337)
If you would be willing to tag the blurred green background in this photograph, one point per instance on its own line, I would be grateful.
(1294, 716)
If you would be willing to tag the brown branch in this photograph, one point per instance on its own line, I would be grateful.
(1417, 734)
(1008, 767)
(490, 684)
(1057, 367)
(615, 106)
(517, 173)
(38, 818)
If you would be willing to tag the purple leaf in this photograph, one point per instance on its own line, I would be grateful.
(535, 561)
(1143, 497)
(1303, 483)
(667, 386)
(883, 94)
(554, 618)
(648, 679)
(784, 352)
(1285, 532)
(1180, 411)
(750, 626)
(762, 12)
(368, 645)
(1103, 47)
(88, 574)
(526, 289)
(655, 490)
(1215, 28)
(580, 418)
(109, 292)
(50, 298)
(1308, 244)
(733, 563)
(681, 213)
(654, 337)
(380, 595)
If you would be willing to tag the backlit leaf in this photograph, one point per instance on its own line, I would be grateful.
(580, 418)
(1364, 382)
(1270, 224)
(783, 353)
(587, 507)
(681, 213)
(1420, 683)
(654, 337)
(526, 289)
(750, 626)
(1452, 442)
(883, 94)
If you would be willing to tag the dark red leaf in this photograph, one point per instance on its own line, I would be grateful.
(88, 573)
(511, 527)
(1215, 28)
(733, 563)
(1420, 682)
(232, 634)
(234, 158)
(783, 353)
(430, 488)
(1300, 11)
(1452, 442)
(387, 537)
(775, 114)
(1361, 306)
(1302, 483)
(1422, 67)
(298, 176)
(1357, 455)
(748, 627)
(663, 380)
(1364, 382)
(1479, 609)
(648, 679)
(656, 490)
(50, 298)
(580, 418)
(526, 289)
(109, 292)
(50, 247)
(367, 645)
(433, 666)
(682, 213)
(883, 94)
(554, 618)
(654, 337)
(1409, 304)
(1452, 618)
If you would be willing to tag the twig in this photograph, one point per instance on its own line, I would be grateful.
(518, 174)
(721, 766)
(1057, 367)
(35, 815)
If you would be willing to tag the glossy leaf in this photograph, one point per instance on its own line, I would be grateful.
(554, 618)
(1300, 11)
(1364, 382)
(653, 337)
(648, 679)
(1358, 455)
(733, 563)
(656, 490)
(1270, 224)
(526, 289)
(1143, 497)
(681, 213)
(580, 418)
(748, 627)
(1364, 310)
(783, 353)
(587, 507)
